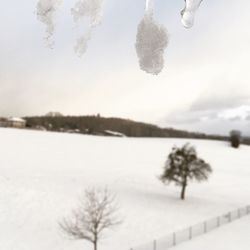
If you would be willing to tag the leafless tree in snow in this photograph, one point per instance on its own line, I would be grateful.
(96, 212)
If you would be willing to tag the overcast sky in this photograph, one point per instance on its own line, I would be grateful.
(205, 85)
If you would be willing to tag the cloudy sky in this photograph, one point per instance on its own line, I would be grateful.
(205, 85)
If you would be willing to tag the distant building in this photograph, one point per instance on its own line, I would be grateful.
(13, 122)
(3, 122)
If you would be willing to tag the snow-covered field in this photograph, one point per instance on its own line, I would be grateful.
(43, 174)
(233, 236)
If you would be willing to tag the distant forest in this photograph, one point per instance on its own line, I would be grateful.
(97, 125)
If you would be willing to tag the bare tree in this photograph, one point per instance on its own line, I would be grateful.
(97, 211)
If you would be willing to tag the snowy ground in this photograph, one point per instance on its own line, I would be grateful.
(233, 236)
(42, 175)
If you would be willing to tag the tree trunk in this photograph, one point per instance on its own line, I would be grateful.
(95, 245)
(95, 240)
(183, 190)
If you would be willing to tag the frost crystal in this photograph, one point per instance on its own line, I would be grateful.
(188, 13)
(151, 42)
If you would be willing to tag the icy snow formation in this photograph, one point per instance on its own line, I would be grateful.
(46, 10)
(188, 13)
(151, 42)
(87, 9)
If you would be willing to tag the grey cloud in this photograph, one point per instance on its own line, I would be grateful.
(235, 118)
(207, 121)
(220, 101)
(210, 105)
(191, 116)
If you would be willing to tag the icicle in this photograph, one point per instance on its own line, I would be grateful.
(188, 13)
(82, 43)
(46, 10)
(87, 9)
(149, 8)
(151, 42)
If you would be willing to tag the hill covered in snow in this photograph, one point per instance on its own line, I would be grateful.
(43, 174)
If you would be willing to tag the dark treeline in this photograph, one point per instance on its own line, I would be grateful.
(97, 125)
(246, 140)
